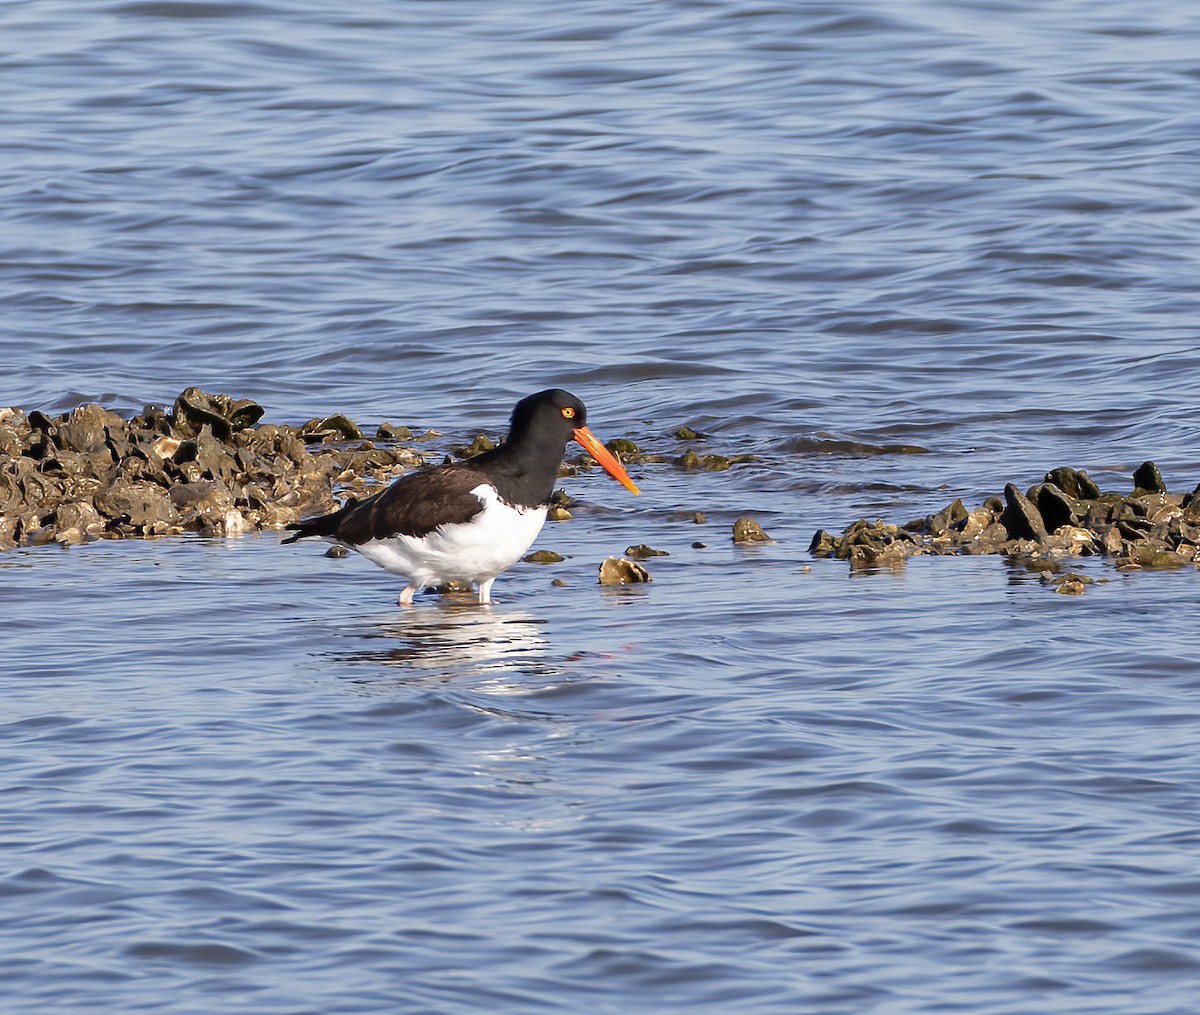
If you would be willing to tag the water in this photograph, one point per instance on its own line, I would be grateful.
(238, 778)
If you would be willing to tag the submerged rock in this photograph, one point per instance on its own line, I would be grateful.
(747, 530)
(689, 461)
(642, 551)
(623, 448)
(1071, 584)
(478, 446)
(560, 503)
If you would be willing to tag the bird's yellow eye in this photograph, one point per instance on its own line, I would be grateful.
(568, 413)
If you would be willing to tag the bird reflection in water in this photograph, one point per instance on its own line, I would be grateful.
(453, 641)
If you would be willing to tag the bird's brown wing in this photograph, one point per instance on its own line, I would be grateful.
(414, 505)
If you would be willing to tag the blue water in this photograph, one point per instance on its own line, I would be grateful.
(238, 778)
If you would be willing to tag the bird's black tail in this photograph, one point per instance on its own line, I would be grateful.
(322, 525)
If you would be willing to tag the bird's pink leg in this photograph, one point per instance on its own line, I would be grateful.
(485, 591)
(406, 597)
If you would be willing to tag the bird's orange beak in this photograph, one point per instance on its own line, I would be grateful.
(607, 461)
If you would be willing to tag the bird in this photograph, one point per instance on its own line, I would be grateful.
(469, 521)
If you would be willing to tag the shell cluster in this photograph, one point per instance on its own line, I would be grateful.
(1064, 516)
(202, 466)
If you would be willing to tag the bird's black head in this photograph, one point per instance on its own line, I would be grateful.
(553, 413)
(541, 426)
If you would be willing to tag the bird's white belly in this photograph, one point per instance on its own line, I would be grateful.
(473, 551)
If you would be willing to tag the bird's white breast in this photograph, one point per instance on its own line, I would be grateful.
(473, 551)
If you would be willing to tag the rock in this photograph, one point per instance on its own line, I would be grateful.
(42, 490)
(1070, 584)
(867, 557)
(1055, 507)
(1102, 511)
(975, 523)
(477, 447)
(622, 448)
(12, 431)
(337, 552)
(1157, 508)
(699, 519)
(993, 538)
(194, 409)
(938, 524)
(212, 457)
(642, 551)
(1075, 539)
(87, 428)
(386, 431)
(42, 423)
(699, 546)
(142, 507)
(1020, 518)
(41, 536)
(1146, 478)
(1073, 483)
(747, 530)
(619, 571)
(337, 427)
(686, 433)
(241, 413)
(824, 544)
(1152, 555)
(8, 532)
(692, 462)
(202, 505)
(12, 494)
(77, 522)
(543, 557)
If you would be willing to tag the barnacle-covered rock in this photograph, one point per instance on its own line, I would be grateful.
(747, 530)
(620, 571)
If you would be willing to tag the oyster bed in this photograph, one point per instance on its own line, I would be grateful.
(1063, 517)
(206, 465)
(203, 466)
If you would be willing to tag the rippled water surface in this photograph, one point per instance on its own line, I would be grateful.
(238, 778)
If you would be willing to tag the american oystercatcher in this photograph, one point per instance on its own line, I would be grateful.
(469, 521)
